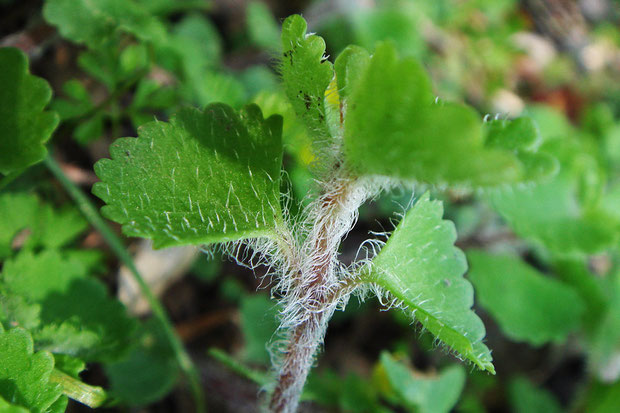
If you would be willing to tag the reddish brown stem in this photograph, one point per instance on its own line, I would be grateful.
(318, 295)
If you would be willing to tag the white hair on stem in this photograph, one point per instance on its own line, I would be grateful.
(302, 262)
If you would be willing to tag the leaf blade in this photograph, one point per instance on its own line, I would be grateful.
(421, 267)
(392, 107)
(306, 74)
(205, 177)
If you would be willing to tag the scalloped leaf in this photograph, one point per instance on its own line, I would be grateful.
(391, 106)
(24, 124)
(306, 74)
(207, 176)
(25, 375)
(504, 283)
(66, 311)
(420, 266)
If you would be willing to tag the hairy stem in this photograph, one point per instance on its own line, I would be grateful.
(315, 291)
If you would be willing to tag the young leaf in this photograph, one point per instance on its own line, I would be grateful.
(75, 316)
(392, 107)
(421, 267)
(424, 394)
(24, 125)
(306, 73)
(527, 305)
(207, 176)
(24, 375)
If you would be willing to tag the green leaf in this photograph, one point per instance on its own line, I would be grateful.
(350, 65)
(75, 314)
(562, 213)
(525, 398)
(148, 372)
(24, 125)
(77, 103)
(395, 23)
(527, 305)
(603, 398)
(262, 27)
(392, 107)
(424, 394)
(24, 375)
(6, 407)
(38, 225)
(590, 287)
(91, 23)
(69, 365)
(207, 176)
(521, 136)
(103, 65)
(165, 7)
(604, 343)
(349, 394)
(306, 74)
(259, 323)
(89, 130)
(421, 267)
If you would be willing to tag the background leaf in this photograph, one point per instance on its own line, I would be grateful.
(92, 23)
(527, 305)
(24, 125)
(562, 213)
(24, 375)
(38, 224)
(66, 311)
(148, 372)
(526, 398)
(426, 394)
